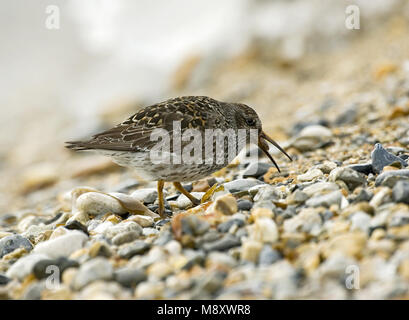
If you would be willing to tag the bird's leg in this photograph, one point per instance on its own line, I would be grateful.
(161, 209)
(179, 187)
(213, 189)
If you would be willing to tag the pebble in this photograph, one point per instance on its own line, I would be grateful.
(10, 243)
(256, 170)
(391, 178)
(382, 158)
(123, 227)
(400, 192)
(62, 246)
(125, 237)
(194, 225)
(148, 195)
(129, 277)
(250, 250)
(297, 197)
(264, 230)
(129, 250)
(42, 268)
(365, 168)
(268, 255)
(4, 280)
(241, 185)
(24, 266)
(245, 205)
(325, 200)
(93, 270)
(351, 177)
(183, 202)
(310, 175)
(311, 138)
(228, 241)
(96, 203)
(308, 220)
(360, 221)
(320, 188)
(225, 226)
(225, 205)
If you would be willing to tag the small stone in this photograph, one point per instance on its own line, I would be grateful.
(183, 202)
(320, 188)
(361, 221)
(42, 268)
(311, 138)
(80, 217)
(241, 185)
(350, 244)
(159, 270)
(129, 277)
(250, 250)
(225, 205)
(125, 226)
(244, 205)
(4, 280)
(268, 255)
(143, 221)
(99, 249)
(365, 168)
(267, 193)
(391, 178)
(148, 232)
(24, 266)
(310, 175)
(125, 237)
(39, 176)
(194, 225)
(225, 226)
(92, 270)
(225, 243)
(400, 192)
(381, 158)
(325, 200)
(62, 246)
(10, 243)
(148, 195)
(256, 169)
(130, 250)
(308, 220)
(351, 177)
(297, 197)
(76, 225)
(264, 230)
(327, 166)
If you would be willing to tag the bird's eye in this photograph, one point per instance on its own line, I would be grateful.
(250, 121)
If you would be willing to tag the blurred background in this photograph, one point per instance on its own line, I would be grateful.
(287, 59)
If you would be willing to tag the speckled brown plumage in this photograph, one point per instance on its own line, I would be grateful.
(130, 143)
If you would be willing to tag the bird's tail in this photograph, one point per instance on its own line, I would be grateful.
(78, 145)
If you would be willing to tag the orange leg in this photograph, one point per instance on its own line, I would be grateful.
(161, 209)
(179, 187)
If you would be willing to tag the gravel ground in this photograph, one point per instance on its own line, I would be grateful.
(334, 224)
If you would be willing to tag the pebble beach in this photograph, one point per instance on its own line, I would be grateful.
(333, 224)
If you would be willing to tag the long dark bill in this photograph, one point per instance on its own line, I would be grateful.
(264, 147)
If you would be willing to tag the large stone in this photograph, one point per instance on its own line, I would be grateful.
(391, 178)
(382, 158)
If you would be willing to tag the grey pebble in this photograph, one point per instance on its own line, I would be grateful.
(225, 226)
(240, 185)
(41, 269)
(4, 280)
(132, 249)
(381, 158)
(129, 277)
(192, 225)
(125, 237)
(400, 192)
(268, 255)
(10, 243)
(390, 178)
(92, 270)
(244, 204)
(225, 243)
(365, 168)
(325, 200)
